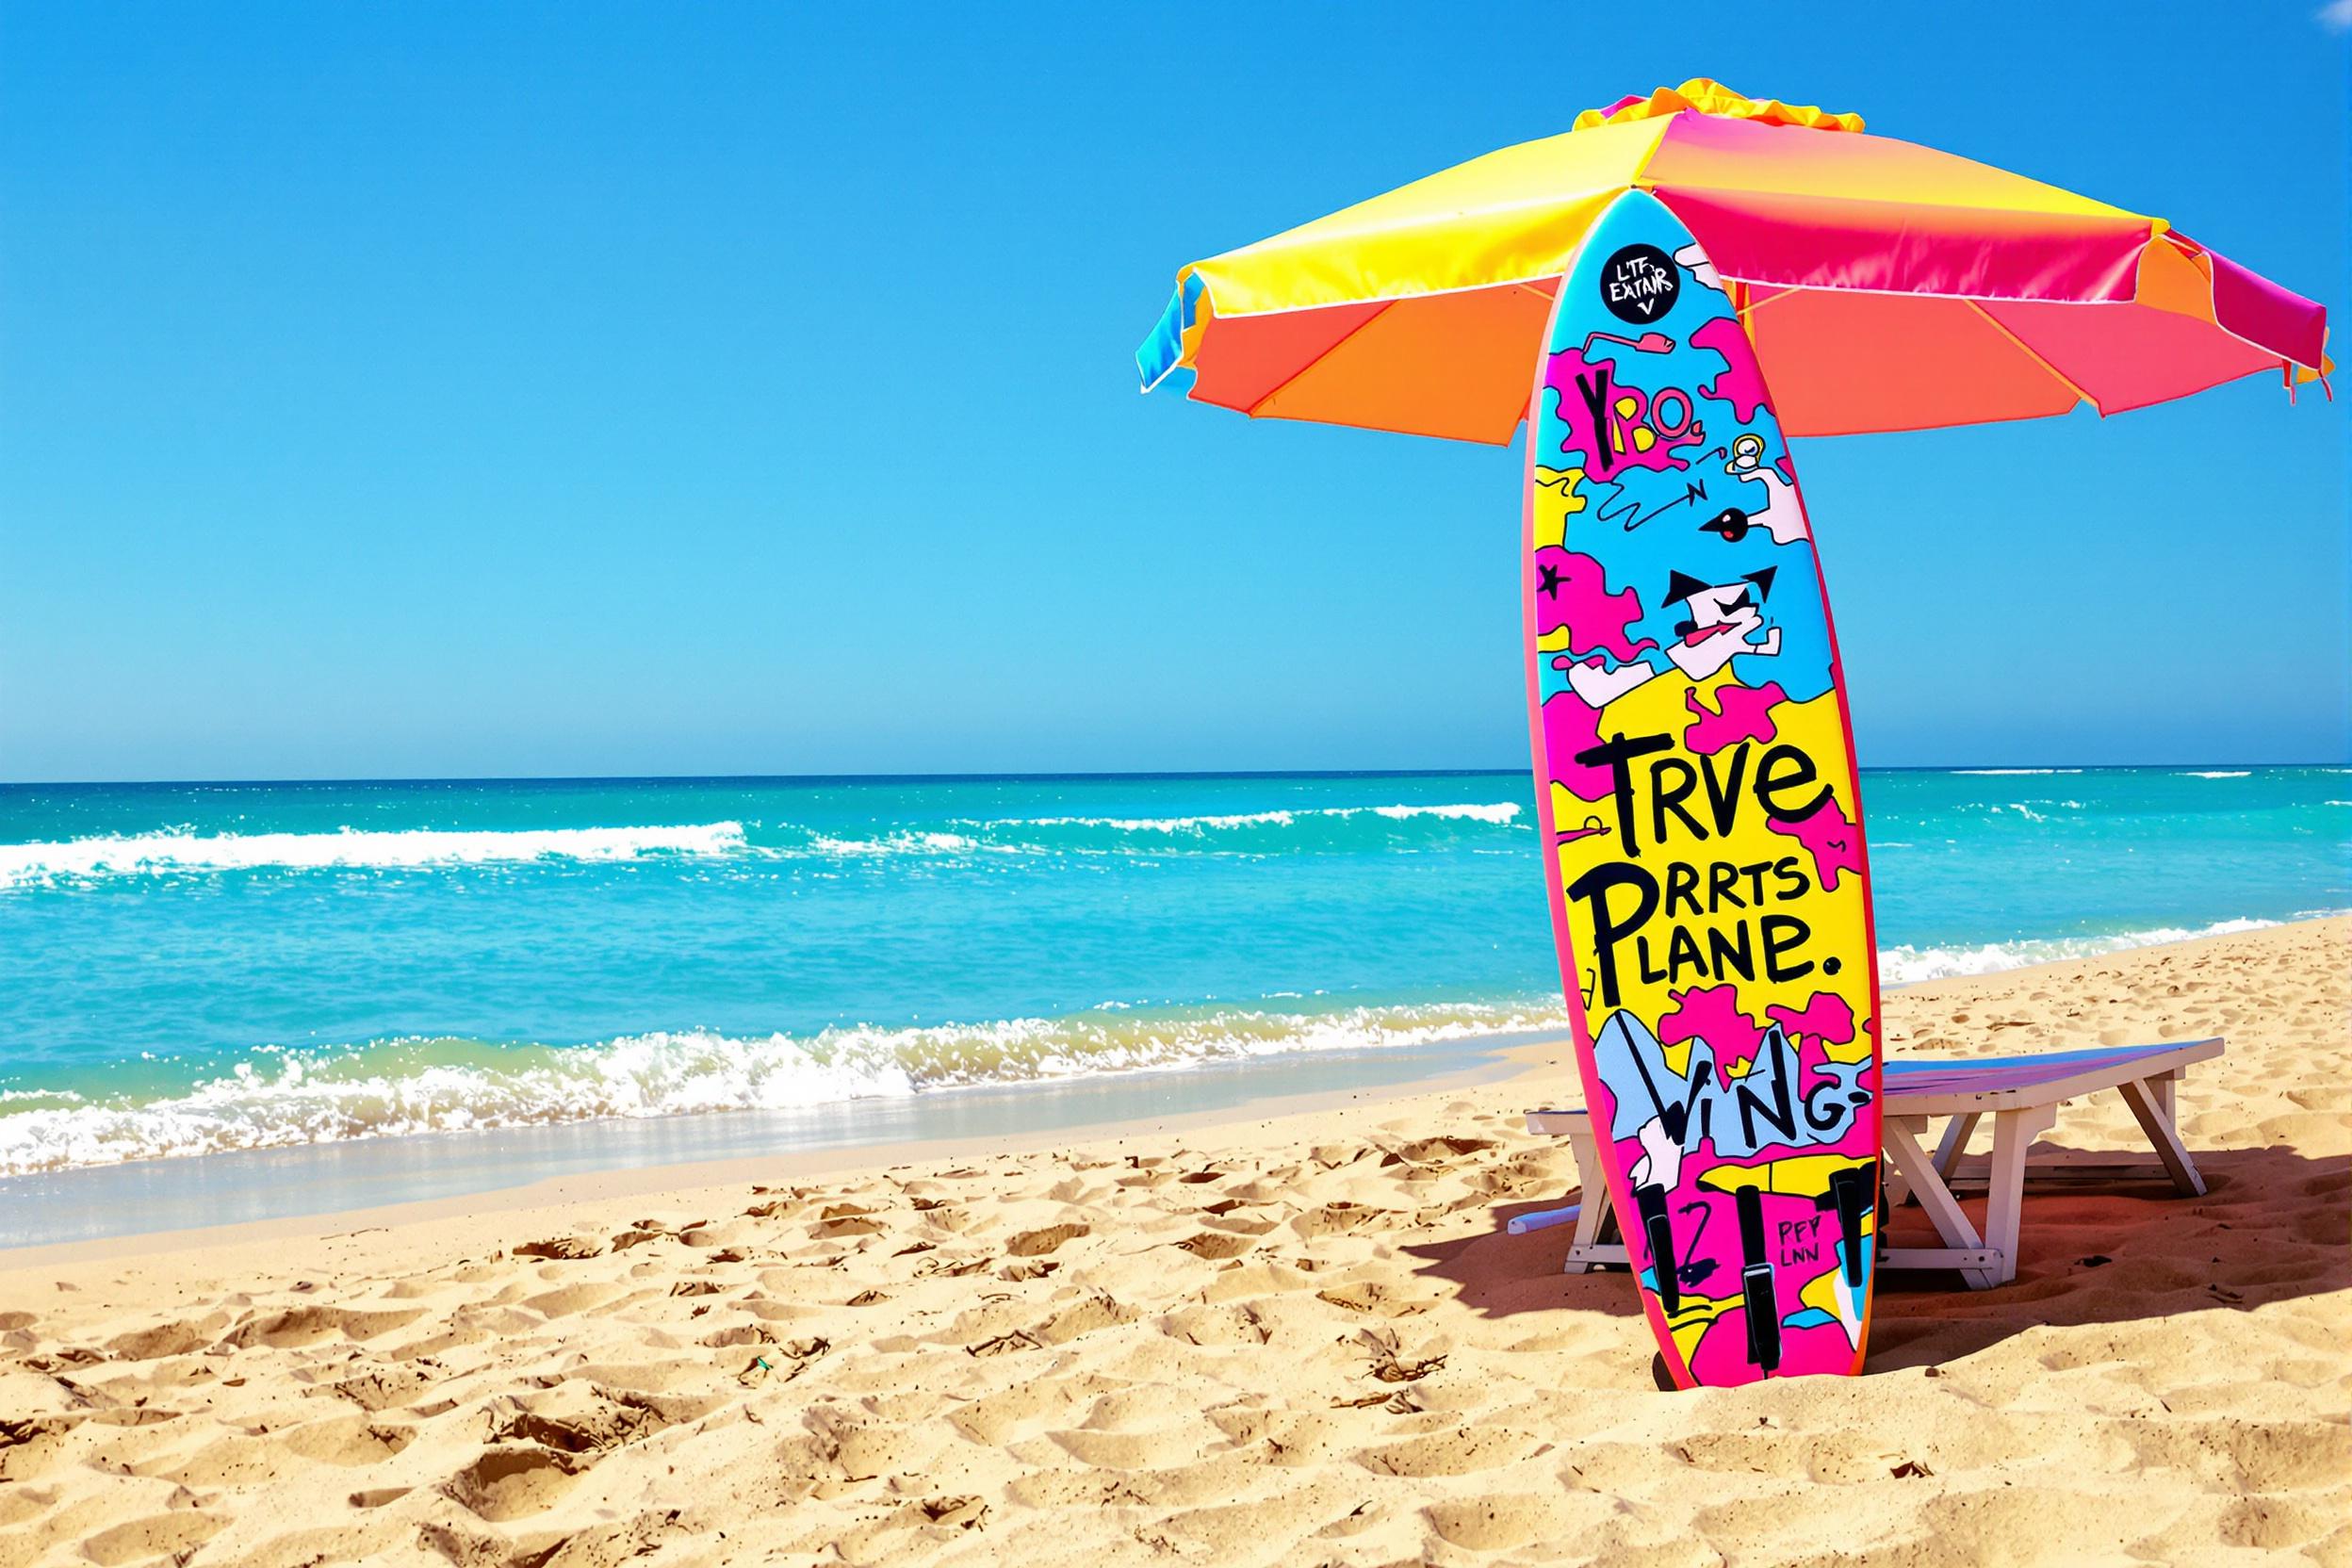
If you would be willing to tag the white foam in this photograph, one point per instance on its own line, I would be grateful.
(899, 843)
(1907, 965)
(284, 1098)
(181, 851)
(1495, 812)
(2238, 774)
(1501, 812)
(1158, 824)
(2008, 773)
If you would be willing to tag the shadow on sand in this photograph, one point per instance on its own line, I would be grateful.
(2271, 1227)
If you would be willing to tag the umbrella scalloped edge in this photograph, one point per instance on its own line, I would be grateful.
(1705, 95)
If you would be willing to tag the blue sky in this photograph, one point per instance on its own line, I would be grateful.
(589, 389)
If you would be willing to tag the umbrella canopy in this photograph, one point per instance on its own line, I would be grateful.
(1886, 286)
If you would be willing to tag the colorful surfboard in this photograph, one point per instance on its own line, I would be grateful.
(1695, 781)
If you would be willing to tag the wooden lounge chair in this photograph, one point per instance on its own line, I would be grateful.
(2022, 1094)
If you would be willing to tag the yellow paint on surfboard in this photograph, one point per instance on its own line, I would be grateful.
(1837, 916)
(1558, 497)
(1689, 1322)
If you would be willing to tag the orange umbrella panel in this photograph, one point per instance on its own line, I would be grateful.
(1886, 286)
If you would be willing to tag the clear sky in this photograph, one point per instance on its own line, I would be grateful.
(594, 389)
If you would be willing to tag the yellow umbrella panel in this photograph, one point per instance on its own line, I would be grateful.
(1886, 286)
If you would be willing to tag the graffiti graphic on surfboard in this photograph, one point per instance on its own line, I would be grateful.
(1696, 785)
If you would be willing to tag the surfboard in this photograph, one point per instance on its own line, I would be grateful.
(1697, 796)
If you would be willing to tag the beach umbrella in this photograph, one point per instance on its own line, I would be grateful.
(1886, 286)
(1665, 294)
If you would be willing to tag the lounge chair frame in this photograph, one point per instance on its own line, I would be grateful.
(2021, 1095)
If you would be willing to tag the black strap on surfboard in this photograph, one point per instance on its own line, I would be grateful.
(1756, 1281)
(1853, 1193)
(1650, 1200)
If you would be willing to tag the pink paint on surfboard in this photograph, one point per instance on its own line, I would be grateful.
(1700, 807)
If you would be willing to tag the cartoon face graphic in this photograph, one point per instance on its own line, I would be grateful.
(1726, 604)
(1724, 621)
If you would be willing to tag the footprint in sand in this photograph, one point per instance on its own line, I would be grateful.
(1452, 1453)
(302, 1326)
(1036, 1244)
(166, 1339)
(512, 1482)
(172, 1536)
(572, 1298)
(1499, 1521)
(348, 1440)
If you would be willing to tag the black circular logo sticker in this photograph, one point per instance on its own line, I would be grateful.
(1639, 284)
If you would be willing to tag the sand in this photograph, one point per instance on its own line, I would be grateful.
(1301, 1339)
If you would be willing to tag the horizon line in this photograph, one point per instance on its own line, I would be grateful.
(1049, 775)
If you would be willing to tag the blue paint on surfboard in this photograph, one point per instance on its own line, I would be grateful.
(1696, 785)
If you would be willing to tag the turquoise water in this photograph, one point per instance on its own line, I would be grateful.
(189, 968)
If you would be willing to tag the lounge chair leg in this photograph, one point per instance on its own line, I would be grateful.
(1895, 1191)
(1593, 1195)
(1955, 1142)
(1950, 1219)
(2154, 1112)
(2014, 1132)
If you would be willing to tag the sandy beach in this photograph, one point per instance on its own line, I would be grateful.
(1300, 1338)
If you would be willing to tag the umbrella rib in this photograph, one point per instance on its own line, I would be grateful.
(2031, 353)
(1337, 344)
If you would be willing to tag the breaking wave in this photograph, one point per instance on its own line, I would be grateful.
(1276, 831)
(894, 843)
(183, 852)
(1497, 812)
(151, 854)
(278, 1098)
(1906, 965)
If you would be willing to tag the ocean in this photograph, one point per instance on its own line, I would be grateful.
(196, 968)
